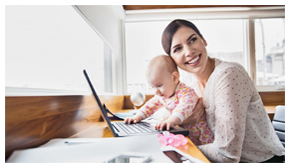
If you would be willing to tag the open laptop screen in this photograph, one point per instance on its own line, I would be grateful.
(104, 113)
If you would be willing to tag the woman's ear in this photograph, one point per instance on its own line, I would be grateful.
(204, 41)
(175, 77)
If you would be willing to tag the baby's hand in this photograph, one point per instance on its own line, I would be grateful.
(164, 125)
(170, 122)
(135, 119)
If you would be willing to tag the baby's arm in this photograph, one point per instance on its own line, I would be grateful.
(145, 111)
(170, 122)
(187, 102)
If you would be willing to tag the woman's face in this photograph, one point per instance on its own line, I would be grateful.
(188, 50)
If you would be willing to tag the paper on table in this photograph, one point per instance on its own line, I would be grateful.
(97, 150)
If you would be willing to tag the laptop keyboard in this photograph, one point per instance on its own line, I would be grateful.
(141, 127)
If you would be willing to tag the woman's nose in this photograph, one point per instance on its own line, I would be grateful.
(188, 50)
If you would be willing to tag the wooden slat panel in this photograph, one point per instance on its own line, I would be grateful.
(34, 120)
(29, 108)
(32, 133)
(269, 99)
(129, 105)
(141, 7)
(114, 103)
(273, 98)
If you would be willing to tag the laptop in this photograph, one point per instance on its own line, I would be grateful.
(121, 129)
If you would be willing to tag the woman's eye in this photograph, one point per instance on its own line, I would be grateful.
(176, 50)
(193, 39)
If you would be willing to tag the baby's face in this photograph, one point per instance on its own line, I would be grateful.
(163, 82)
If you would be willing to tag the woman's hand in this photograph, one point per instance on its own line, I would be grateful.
(197, 113)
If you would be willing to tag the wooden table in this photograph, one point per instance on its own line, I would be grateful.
(101, 129)
(271, 111)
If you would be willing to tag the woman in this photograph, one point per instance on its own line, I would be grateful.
(234, 110)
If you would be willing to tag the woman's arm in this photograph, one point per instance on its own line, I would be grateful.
(232, 94)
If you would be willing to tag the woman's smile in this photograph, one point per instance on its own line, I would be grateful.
(194, 61)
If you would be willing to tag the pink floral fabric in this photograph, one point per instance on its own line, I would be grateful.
(181, 104)
(200, 133)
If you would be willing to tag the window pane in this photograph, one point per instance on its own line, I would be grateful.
(225, 39)
(143, 42)
(270, 55)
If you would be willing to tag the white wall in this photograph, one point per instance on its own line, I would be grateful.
(47, 47)
(107, 19)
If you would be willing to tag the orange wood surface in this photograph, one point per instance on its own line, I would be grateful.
(192, 150)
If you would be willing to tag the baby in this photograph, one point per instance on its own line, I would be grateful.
(179, 99)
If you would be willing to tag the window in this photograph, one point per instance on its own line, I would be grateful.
(219, 36)
(270, 51)
(143, 42)
(227, 40)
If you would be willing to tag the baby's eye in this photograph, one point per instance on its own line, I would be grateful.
(159, 85)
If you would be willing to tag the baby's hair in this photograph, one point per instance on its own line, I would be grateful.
(164, 62)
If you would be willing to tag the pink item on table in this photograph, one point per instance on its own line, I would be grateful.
(167, 138)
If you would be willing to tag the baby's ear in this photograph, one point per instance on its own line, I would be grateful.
(175, 76)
